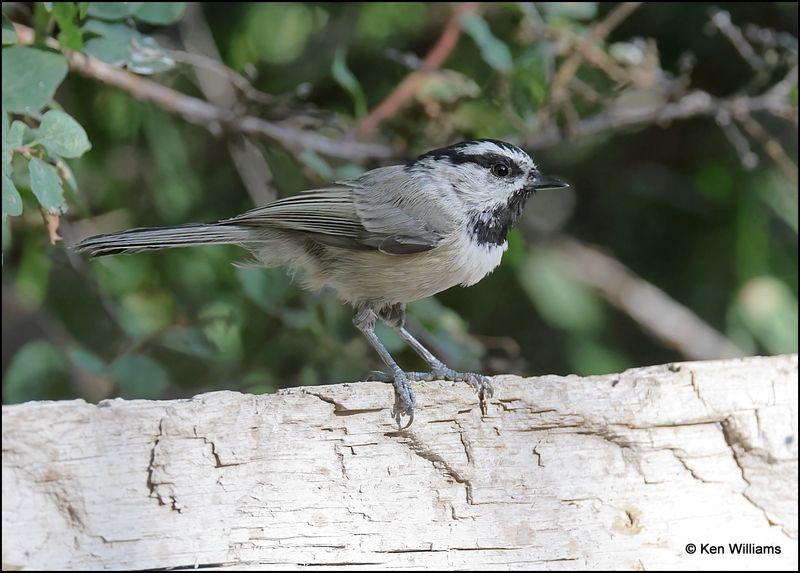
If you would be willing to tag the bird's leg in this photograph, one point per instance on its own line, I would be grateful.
(395, 316)
(404, 397)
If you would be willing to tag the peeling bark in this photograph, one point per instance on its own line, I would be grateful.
(613, 472)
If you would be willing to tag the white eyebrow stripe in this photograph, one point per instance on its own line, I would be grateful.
(485, 147)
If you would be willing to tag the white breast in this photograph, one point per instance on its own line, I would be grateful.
(474, 261)
(390, 279)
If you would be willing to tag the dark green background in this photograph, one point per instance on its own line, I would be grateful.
(673, 203)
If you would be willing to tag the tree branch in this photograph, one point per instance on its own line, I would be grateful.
(405, 90)
(250, 162)
(211, 117)
(598, 33)
(655, 311)
(697, 103)
(771, 146)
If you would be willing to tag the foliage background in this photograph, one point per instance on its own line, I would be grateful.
(704, 214)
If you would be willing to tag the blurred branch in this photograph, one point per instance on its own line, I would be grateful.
(598, 33)
(208, 63)
(696, 103)
(405, 90)
(662, 99)
(207, 115)
(771, 146)
(219, 90)
(737, 139)
(667, 320)
(721, 20)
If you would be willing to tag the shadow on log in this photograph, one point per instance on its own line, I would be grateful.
(613, 472)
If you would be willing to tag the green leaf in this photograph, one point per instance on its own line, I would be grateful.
(107, 50)
(139, 376)
(268, 288)
(100, 28)
(482, 118)
(160, 12)
(189, 341)
(223, 327)
(16, 134)
(147, 57)
(276, 32)
(113, 10)
(46, 185)
(48, 6)
(446, 86)
(86, 361)
(12, 138)
(493, 51)
(113, 45)
(345, 78)
(145, 312)
(380, 21)
(297, 318)
(560, 298)
(37, 372)
(7, 147)
(119, 45)
(30, 78)
(571, 10)
(12, 202)
(65, 14)
(9, 33)
(83, 9)
(62, 135)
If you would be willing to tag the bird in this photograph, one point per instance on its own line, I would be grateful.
(394, 235)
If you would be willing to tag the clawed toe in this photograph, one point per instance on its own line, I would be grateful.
(480, 383)
(404, 397)
(404, 400)
(399, 410)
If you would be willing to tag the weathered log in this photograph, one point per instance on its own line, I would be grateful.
(616, 472)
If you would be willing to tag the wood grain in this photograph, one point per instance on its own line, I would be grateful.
(613, 472)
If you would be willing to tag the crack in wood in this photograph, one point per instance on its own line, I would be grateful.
(722, 453)
(734, 441)
(420, 449)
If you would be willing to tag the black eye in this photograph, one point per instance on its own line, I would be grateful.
(500, 170)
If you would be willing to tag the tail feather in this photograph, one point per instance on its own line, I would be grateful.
(152, 238)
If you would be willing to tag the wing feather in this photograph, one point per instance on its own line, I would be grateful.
(353, 214)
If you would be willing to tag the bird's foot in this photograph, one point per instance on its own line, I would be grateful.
(404, 400)
(404, 403)
(482, 384)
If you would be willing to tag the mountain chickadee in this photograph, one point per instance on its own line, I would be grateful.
(394, 235)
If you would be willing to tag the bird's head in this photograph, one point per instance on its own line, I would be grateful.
(485, 172)
(492, 179)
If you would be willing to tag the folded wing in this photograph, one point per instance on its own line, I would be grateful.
(357, 214)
